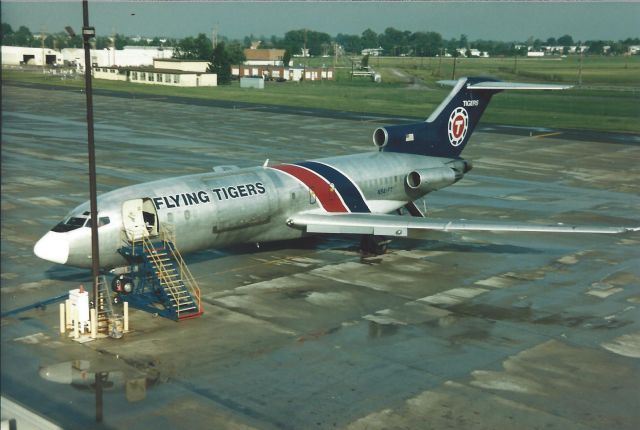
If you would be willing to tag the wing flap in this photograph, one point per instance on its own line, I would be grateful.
(399, 226)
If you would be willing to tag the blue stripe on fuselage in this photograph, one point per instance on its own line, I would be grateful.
(347, 189)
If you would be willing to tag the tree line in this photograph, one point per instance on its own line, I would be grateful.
(394, 42)
(24, 37)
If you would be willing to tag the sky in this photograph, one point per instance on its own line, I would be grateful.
(494, 20)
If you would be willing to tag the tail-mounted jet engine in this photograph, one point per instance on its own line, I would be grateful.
(400, 134)
(427, 180)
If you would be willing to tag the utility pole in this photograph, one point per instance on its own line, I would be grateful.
(113, 46)
(304, 53)
(306, 58)
(43, 56)
(89, 33)
(580, 67)
(453, 74)
(352, 68)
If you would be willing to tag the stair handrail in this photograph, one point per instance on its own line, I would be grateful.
(187, 277)
(163, 275)
(168, 234)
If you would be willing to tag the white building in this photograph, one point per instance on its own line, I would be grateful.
(129, 56)
(252, 82)
(19, 55)
(374, 52)
(304, 52)
(472, 52)
(169, 72)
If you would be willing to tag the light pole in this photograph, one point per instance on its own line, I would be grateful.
(89, 33)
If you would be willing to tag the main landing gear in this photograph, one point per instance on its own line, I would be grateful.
(374, 245)
(377, 245)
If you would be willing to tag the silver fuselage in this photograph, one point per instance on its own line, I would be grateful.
(212, 210)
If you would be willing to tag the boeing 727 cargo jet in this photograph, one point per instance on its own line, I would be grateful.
(354, 194)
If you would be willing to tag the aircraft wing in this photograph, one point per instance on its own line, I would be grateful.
(399, 226)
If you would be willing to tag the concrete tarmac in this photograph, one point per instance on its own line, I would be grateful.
(455, 330)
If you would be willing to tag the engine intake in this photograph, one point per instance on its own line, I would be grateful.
(380, 137)
(400, 135)
(426, 180)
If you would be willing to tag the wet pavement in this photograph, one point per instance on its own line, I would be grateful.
(460, 330)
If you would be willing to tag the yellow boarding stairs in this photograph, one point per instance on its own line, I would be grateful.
(163, 284)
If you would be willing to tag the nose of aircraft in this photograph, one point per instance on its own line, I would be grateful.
(60, 373)
(52, 247)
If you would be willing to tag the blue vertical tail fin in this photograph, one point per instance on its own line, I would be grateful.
(448, 129)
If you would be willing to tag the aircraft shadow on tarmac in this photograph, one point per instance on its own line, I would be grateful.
(352, 244)
(66, 274)
(479, 248)
(308, 243)
(342, 243)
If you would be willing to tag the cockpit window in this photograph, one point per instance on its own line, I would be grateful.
(103, 220)
(68, 225)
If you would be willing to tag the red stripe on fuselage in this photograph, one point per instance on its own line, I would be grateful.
(328, 197)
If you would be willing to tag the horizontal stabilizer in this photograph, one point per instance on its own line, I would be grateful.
(499, 86)
(394, 225)
(516, 86)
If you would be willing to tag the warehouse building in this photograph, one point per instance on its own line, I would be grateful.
(20, 55)
(129, 56)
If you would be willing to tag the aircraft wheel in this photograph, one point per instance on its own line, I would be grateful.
(122, 284)
(376, 245)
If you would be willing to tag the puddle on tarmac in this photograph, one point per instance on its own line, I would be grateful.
(377, 330)
(84, 376)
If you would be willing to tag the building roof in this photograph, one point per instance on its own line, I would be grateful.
(178, 60)
(149, 48)
(264, 54)
(150, 69)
